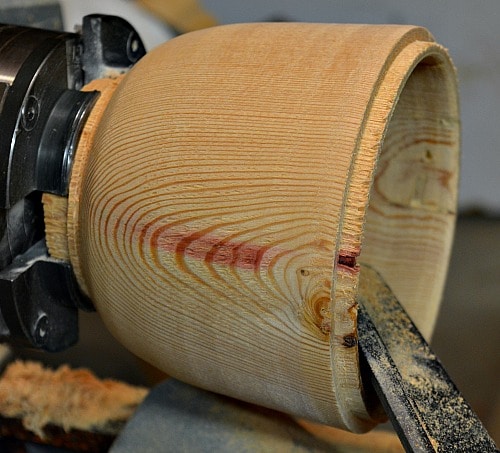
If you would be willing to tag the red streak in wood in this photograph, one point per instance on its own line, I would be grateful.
(347, 260)
(214, 250)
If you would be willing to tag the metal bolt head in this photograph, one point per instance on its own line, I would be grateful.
(134, 47)
(30, 113)
(42, 329)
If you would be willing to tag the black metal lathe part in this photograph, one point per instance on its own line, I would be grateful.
(42, 113)
(425, 407)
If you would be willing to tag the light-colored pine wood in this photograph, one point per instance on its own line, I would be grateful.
(415, 193)
(106, 87)
(219, 219)
(55, 208)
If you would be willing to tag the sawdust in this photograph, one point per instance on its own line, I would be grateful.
(72, 399)
(448, 421)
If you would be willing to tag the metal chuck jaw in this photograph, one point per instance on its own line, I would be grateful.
(42, 112)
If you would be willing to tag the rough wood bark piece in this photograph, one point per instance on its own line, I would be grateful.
(220, 217)
(64, 407)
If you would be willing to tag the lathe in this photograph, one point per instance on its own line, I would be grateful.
(248, 208)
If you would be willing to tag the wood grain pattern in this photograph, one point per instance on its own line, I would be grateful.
(220, 216)
(106, 87)
(55, 208)
(415, 193)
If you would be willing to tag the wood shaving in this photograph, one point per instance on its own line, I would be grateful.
(72, 399)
